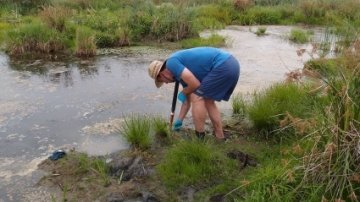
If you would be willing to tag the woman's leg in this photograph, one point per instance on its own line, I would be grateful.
(198, 111)
(215, 117)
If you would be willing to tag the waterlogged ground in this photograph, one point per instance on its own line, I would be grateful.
(71, 103)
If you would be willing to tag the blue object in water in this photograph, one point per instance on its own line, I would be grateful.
(58, 154)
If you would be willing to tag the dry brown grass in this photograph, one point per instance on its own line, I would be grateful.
(55, 17)
(243, 4)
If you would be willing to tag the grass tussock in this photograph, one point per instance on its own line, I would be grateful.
(136, 130)
(85, 44)
(239, 104)
(261, 31)
(281, 104)
(161, 127)
(299, 36)
(191, 163)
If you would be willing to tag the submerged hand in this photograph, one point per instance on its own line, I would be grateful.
(182, 97)
(177, 125)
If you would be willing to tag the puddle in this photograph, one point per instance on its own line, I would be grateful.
(77, 104)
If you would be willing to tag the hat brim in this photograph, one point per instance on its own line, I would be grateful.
(159, 83)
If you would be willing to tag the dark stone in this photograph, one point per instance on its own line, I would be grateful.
(119, 164)
(243, 158)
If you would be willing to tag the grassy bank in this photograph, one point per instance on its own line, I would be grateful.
(297, 140)
(114, 23)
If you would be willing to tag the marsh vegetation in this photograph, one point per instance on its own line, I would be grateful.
(303, 132)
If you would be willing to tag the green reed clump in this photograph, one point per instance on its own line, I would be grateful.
(136, 130)
(172, 23)
(213, 16)
(161, 127)
(85, 44)
(101, 168)
(260, 31)
(276, 103)
(324, 67)
(239, 105)
(34, 37)
(214, 40)
(191, 163)
(260, 16)
(299, 36)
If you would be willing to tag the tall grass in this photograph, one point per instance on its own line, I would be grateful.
(275, 105)
(238, 104)
(34, 37)
(136, 129)
(55, 17)
(334, 159)
(85, 44)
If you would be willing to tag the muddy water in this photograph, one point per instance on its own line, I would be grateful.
(46, 105)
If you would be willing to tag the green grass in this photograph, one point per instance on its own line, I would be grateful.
(277, 102)
(299, 36)
(238, 104)
(214, 40)
(85, 44)
(191, 163)
(34, 37)
(161, 127)
(136, 130)
(261, 31)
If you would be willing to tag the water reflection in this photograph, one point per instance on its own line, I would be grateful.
(58, 72)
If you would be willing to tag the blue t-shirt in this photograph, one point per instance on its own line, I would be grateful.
(200, 61)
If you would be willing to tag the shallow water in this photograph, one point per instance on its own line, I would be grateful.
(77, 103)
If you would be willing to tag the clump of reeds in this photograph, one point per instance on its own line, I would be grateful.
(299, 36)
(273, 105)
(85, 44)
(238, 104)
(34, 38)
(136, 130)
(161, 127)
(55, 17)
(260, 31)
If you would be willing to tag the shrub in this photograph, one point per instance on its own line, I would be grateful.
(136, 130)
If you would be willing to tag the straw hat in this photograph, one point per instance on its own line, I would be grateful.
(154, 70)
